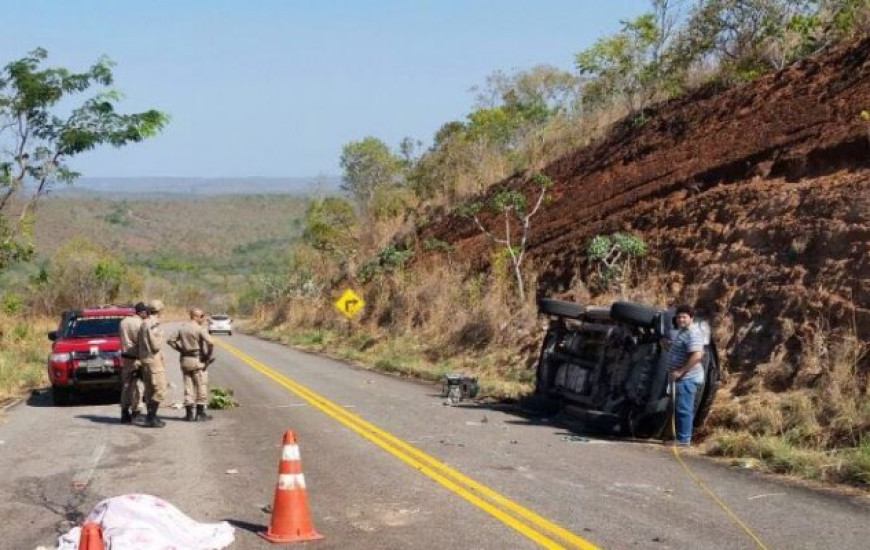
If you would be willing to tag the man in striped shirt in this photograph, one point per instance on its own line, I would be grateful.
(685, 368)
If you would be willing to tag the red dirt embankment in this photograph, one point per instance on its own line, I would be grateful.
(755, 203)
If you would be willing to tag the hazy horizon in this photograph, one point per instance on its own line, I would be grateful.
(145, 186)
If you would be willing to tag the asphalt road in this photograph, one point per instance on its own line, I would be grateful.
(389, 466)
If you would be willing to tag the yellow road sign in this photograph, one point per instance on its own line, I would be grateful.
(349, 303)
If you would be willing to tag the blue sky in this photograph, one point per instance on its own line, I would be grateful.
(275, 88)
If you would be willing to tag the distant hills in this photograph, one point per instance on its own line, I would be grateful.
(203, 187)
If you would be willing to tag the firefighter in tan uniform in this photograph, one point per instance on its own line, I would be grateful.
(196, 348)
(151, 340)
(130, 393)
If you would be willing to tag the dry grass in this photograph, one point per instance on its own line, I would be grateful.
(23, 352)
(821, 431)
(425, 324)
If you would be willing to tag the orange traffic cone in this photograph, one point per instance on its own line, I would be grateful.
(291, 521)
(91, 537)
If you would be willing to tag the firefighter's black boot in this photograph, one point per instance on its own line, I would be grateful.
(126, 417)
(189, 413)
(134, 414)
(151, 420)
(201, 415)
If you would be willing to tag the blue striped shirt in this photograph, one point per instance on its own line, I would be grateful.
(683, 343)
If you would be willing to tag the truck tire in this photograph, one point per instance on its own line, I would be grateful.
(61, 396)
(633, 313)
(560, 308)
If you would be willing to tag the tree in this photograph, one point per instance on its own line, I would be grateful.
(331, 227)
(38, 139)
(613, 254)
(512, 207)
(746, 38)
(435, 172)
(542, 86)
(368, 164)
(511, 105)
(629, 64)
(83, 273)
(736, 35)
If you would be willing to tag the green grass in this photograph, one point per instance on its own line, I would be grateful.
(222, 398)
(856, 465)
(501, 375)
(779, 454)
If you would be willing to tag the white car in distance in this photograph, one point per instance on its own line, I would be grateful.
(220, 323)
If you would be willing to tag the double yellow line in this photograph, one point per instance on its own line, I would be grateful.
(535, 527)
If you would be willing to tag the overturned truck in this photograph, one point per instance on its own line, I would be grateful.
(608, 366)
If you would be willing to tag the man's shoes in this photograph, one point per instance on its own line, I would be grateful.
(201, 415)
(189, 413)
(151, 420)
(134, 414)
(126, 417)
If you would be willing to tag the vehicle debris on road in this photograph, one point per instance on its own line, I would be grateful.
(457, 387)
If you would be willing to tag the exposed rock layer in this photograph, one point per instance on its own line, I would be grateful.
(755, 201)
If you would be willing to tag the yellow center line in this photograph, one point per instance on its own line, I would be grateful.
(523, 520)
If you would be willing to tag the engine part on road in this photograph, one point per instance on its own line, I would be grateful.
(456, 387)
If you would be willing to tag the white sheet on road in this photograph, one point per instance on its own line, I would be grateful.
(144, 522)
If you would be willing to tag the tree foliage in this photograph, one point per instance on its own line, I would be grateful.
(613, 256)
(368, 164)
(331, 226)
(512, 208)
(630, 65)
(746, 38)
(82, 273)
(39, 136)
(544, 86)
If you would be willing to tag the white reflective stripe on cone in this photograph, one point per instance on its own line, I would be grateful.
(290, 452)
(291, 481)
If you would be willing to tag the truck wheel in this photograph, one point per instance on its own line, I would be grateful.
(633, 313)
(60, 396)
(560, 308)
(646, 426)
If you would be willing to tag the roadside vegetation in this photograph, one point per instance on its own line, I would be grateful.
(23, 352)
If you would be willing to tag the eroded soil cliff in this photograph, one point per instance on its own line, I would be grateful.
(755, 202)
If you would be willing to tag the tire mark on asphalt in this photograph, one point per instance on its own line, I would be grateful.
(53, 494)
(83, 477)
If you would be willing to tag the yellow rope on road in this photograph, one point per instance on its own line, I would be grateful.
(760, 545)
